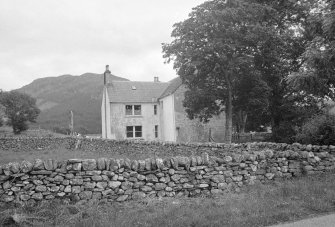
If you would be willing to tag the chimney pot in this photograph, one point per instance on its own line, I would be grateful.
(107, 69)
(106, 75)
(156, 79)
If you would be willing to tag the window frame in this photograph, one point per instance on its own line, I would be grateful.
(136, 110)
(138, 129)
(134, 130)
(140, 110)
(129, 109)
(129, 129)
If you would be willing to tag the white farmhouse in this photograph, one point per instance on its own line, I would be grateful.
(152, 111)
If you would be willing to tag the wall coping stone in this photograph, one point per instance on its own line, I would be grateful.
(72, 141)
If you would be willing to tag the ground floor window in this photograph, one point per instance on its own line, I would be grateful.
(156, 131)
(134, 131)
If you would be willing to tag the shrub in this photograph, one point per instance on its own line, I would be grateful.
(319, 129)
(284, 133)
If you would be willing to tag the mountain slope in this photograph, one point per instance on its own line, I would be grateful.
(57, 96)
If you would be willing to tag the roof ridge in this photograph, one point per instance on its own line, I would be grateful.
(130, 81)
(174, 84)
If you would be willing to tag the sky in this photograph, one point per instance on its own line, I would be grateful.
(48, 38)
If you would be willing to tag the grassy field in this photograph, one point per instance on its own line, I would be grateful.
(258, 205)
(7, 156)
(6, 131)
(59, 154)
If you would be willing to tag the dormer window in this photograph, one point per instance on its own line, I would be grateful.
(133, 87)
(133, 110)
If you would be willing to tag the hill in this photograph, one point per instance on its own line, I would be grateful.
(56, 96)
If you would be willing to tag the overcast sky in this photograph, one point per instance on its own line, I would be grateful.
(47, 38)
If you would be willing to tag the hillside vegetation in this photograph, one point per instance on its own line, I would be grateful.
(57, 96)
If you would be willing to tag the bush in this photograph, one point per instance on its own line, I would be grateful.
(319, 130)
(284, 133)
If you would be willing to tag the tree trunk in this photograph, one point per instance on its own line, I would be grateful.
(240, 121)
(243, 121)
(229, 112)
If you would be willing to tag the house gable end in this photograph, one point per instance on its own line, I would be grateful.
(173, 86)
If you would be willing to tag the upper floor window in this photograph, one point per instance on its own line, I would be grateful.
(137, 110)
(155, 109)
(133, 110)
(129, 110)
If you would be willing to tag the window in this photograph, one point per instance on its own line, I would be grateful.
(134, 131)
(138, 131)
(156, 131)
(130, 131)
(133, 110)
(137, 109)
(155, 109)
(129, 110)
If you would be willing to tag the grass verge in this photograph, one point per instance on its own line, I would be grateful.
(59, 154)
(258, 205)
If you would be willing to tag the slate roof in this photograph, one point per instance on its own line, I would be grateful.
(147, 92)
(122, 91)
(173, 86)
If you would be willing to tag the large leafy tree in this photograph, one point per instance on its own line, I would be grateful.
(316, 75)
(2, 114)
(2, 110)
(277, 57)
(212, 50)
(250, 100)
(315, 78)
(19, 109)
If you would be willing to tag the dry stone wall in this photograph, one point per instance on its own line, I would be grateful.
(150, 147)
(124, 179)
(36, 143)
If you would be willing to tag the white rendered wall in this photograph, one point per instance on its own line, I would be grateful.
(168, 126)
(105, 119)
(147, 119)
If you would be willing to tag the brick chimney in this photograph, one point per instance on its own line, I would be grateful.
(156, 79)
(107, 74)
